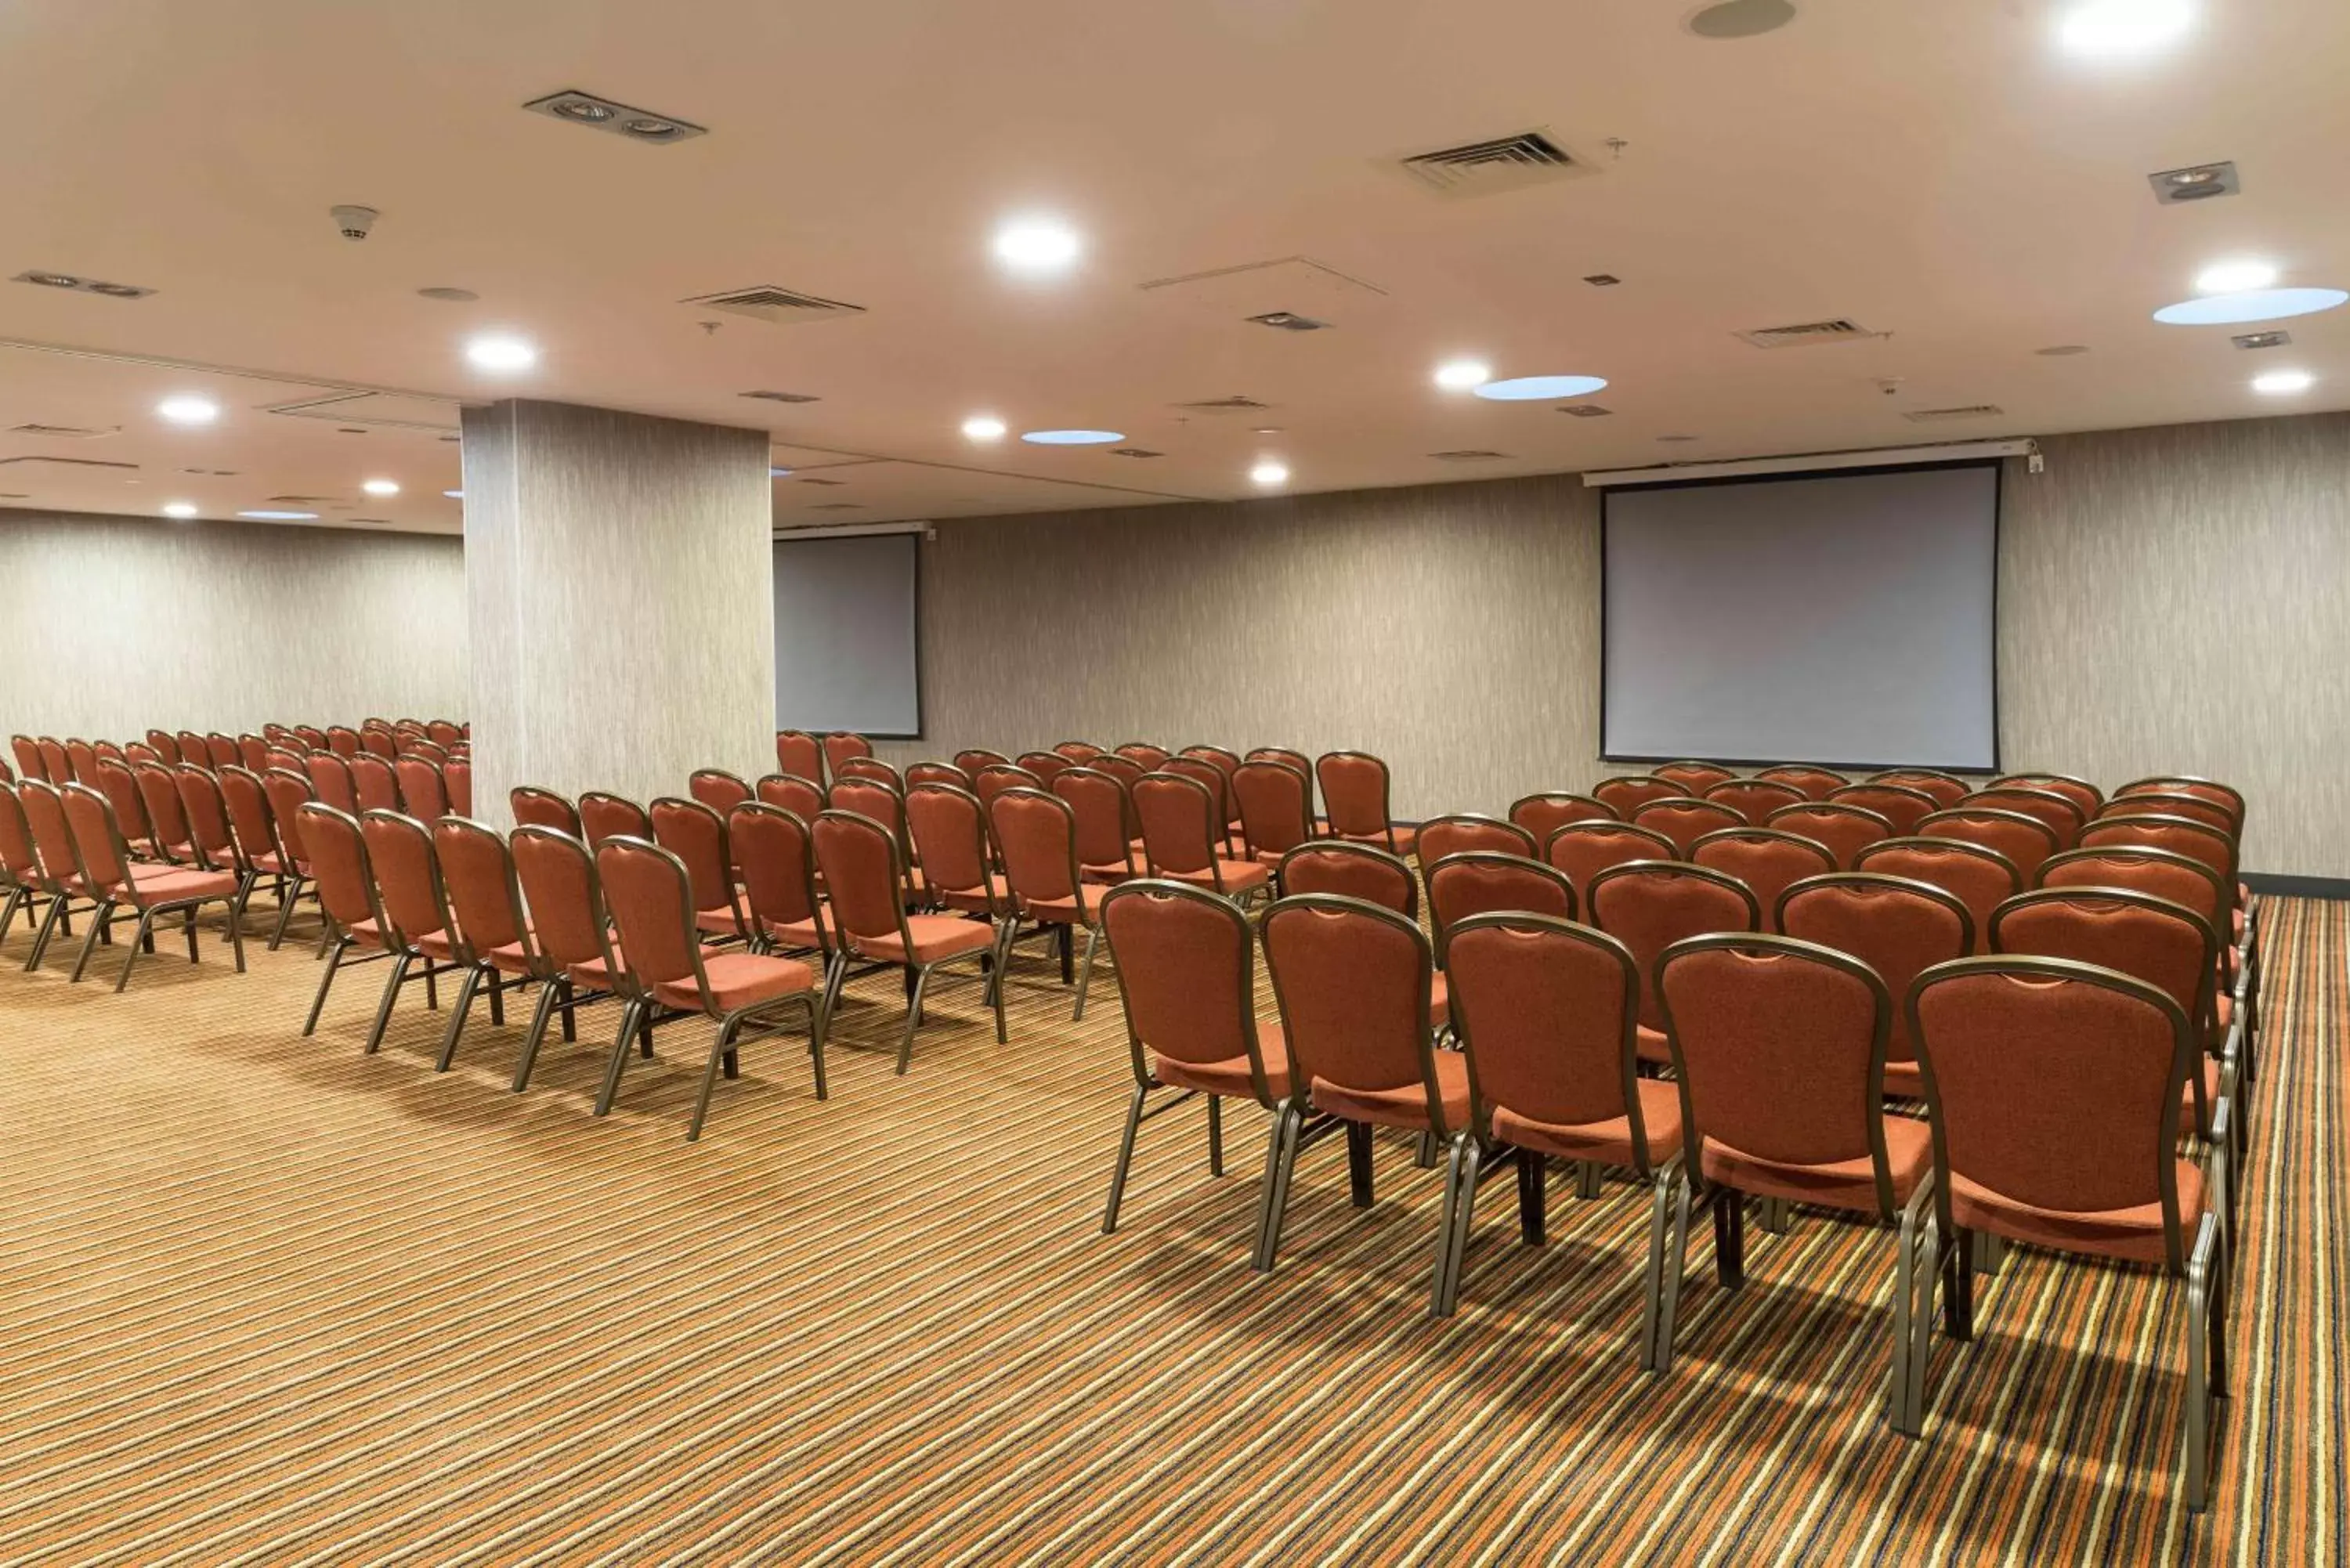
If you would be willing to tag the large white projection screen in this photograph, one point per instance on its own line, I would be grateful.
(1843, 619)
(847, 614)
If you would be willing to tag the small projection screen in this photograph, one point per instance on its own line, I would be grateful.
(847, 634)
(1839, 619)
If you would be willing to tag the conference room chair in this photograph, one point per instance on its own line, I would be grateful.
(949, 827)
(571, 932)
(165, 745)
(936, 773)
(1459, 832)
(862, 869)
(971, 759)
(2181, 879)
(1778, 1047)
(2084, 795)
(1345, 869)
(799, 754)
(882, 802)
(1684, 819)
(1768, 861)
(2054, 812)
(1488, 881)
(1126, 770)
(2085, 1163)
(423, 789)
(413, 910)
(535, 807)
(1755, 799)
(1351, 980)
(670, 975)
(1187, 982)
(221, 751)
(1584, 849)
(164, 814)
(1183, 833)
(107, 751)
(1077, 752)
(1218, 784)
(313, 737)
(444, 732)
(1694, 778)
(1845, 830)
(603, 815)
(331, 780)
(494, 943)
(840, 746)
(1627, 793)
(871, 768)
(134, 753)
(1227, 763)
(1045, 766)
(252, 752)
(58, 876)
(110, 876)
(1544, 1013)
(29, 763)
(696, 837)
(213, 838)
(1903, 805)
(2149, 802)
(1104, 822)
(1811, 783)
(1945, 790)
(374, 784)
(1038, 836)
(56, 767)
(287, 790)
(993, 778)
(343, 740)
(1980, 878)
(2222, 794)
(1897, 926)
(2025, 841)
(719, 790)
(379, 741)
(1288, 756)
(188, 746)
(1546, 811)
(20, 863)
(457, 783)
(1353, 787)
(1650, 905)
(273, 731)
(1276, 807)
(7, 774)
(115, 781)
(2199, 841)
(294, 756)
(1149, 758)
(803, 797)
(777, 866)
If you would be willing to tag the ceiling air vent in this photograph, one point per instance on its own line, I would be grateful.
(1503, 163)
(1134, 452)
(1966, 412)
(777, 306)
(813, 479)
(1838, 330)
(72, 463)
(783, 397)
(63, 432)
(1469, 454)
(1234, 405)
(1585, 410)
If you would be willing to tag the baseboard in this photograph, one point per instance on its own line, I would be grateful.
(2298, 887)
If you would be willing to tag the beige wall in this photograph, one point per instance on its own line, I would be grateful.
(2169, 599)
(115, 624)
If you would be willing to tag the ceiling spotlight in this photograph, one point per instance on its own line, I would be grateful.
(2251, 304)
(2124, 27)
(382, 487)
(454, 495)
(498, 351)
(2281, 383)
(1461, 375)
(581, 109)
(982, 426)
(1270, 472)
(182, 510)
(1528, 388)
(1073, 438)
(1037, 246)
(2235, 277)
(189, 410)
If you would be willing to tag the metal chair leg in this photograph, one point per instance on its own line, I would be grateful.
(913, 1017)
(49, 927)
(18, 898)
(1359, 1164)
(1280, 1159)
(1668, 1259)
(285, 897)
(820, 1024)
(1215, 1134)
(2198, 1386)
(1900, 1413)
(1085, 973)
(1459, 1212)
(548, 991)
(99, 919)
(721, 1043)
(1125, 1156)
(237, 939)
(1533, 1196)
(620, 1056)
(318, 1002)
(457, 1011)
(390, 992)
(131, 950)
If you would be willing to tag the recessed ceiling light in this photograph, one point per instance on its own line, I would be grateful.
(1073, 438)
(2235, 277)
(2124, 27)
(1527, 389)
(1270, 472)
(381, 486)
(2253, 304)
(189, 410)
(1461, 375)
(450, 295)
(179, 509)
(581, 109)
(1037, 246)
(983, 427)
(454, 495)
(2279, 383)
(1267, 429)
(500, 351)
(266, 516)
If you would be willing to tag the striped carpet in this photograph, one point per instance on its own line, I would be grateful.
(264, 1300)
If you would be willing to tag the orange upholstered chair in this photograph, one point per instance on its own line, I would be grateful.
(1897, 927)
(1684, 820)
(696, 836)
(2025, 841)
(57, 766)
(20, 863)
(2054, 1089)
(336, 855)
(800, 795)
(1350, 870)
(936, 773)
(1767, 861)
(1182, 829)
(252, 752)
(330, 781)
(379, 741)
(1227, 763)
(719, 790)
(1187, 977)
(1650, 905)
(994, 778)
(444, 732)
(1077, 752)
(422, 787)
(188, 745)
(1125, 770)
(1584, 849)
(971, 759)
(651, 897)
(1276, 807)
(570, 929)
(604, 815)
(878, 800)
(165, 813)
(1545, 813)
(374, 784)
(288, 791)
(1546, 1010)
(1148, 757)
(1694, 778)
(1038, 834)
(2196, 885)
(57, 870)
(799, 754)
(110, 876)
(862, 869)
(1811, 783)
(1755, 799)
(211, 829)
(1978, 877)
(872, 768)
(1352, 981)
(1460, 832)
(2195, 808)
(1945, 790)
(1901, 805)
(477, 873)
(113, 779)
(220, 751)
(2226, 795)
(949, 827)
(457, 780)
(535, 807)
(29, 763)
(1846, 830)
(1355, 798)
(2053, 811)
(838, 747)
(1484, 882)
(2181, 835)
(1105, 822)
(1627, 793)
(2084, 795)
(415, 922)
(342, 740)
(777, 865)
(1779, 1046)
(1045, 766)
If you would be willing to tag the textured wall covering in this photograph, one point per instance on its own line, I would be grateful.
(618, 580)
(117, 624)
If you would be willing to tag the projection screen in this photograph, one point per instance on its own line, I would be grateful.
(848, 632)
(1841, 618)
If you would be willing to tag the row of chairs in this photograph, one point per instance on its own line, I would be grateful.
(73, 759)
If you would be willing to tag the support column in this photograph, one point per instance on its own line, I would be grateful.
(618, 580)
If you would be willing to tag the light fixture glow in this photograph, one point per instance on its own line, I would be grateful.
(454, 495)
(1072, 438)
(382, 487)
(1464, 375)
(1528, 388)
(2235, 277)
(1270, 472)
(179, 509)
(2124, 27)
(2282, 383)
(2252, 305)
(189, 410)
(500, 351)
(267, 517)
(982, 426)
(1037, 246)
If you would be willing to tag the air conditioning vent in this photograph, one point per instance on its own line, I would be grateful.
(63, 432)
(1469, 454)
(1503, 163)
(1134, 452)
(783, 397)
(1234, 405)
(1966, 412)
(777, 306)
(1585, 410)
(1838, 330)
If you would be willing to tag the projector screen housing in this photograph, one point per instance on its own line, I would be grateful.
(1843, 618)
(848, 635)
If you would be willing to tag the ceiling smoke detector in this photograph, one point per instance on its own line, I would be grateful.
(354, 222)
(2199, 182)
(604, 114)
(2262, 340)
(1502, 163)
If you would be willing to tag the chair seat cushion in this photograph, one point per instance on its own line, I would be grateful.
(594, 974)
(738, 980)
(1608, 1142)
(799, 934)
(1651, 1045)
(936, 937)
(1403, 1108)
(1401, 839)
(2131, 1235)
(1109, 871)
(1905, 1080)
(1838, 1184)
(721, 922)
(1238, 876)
(1440, 1000)
(508, 960)
(1079, 909)
(269, 863)
(972, 900)
(436, 945)
(178, 883)
(1230, 1077)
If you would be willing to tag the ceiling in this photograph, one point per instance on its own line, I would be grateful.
(1944, 176)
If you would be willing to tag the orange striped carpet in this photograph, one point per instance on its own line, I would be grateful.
(264, 1300)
